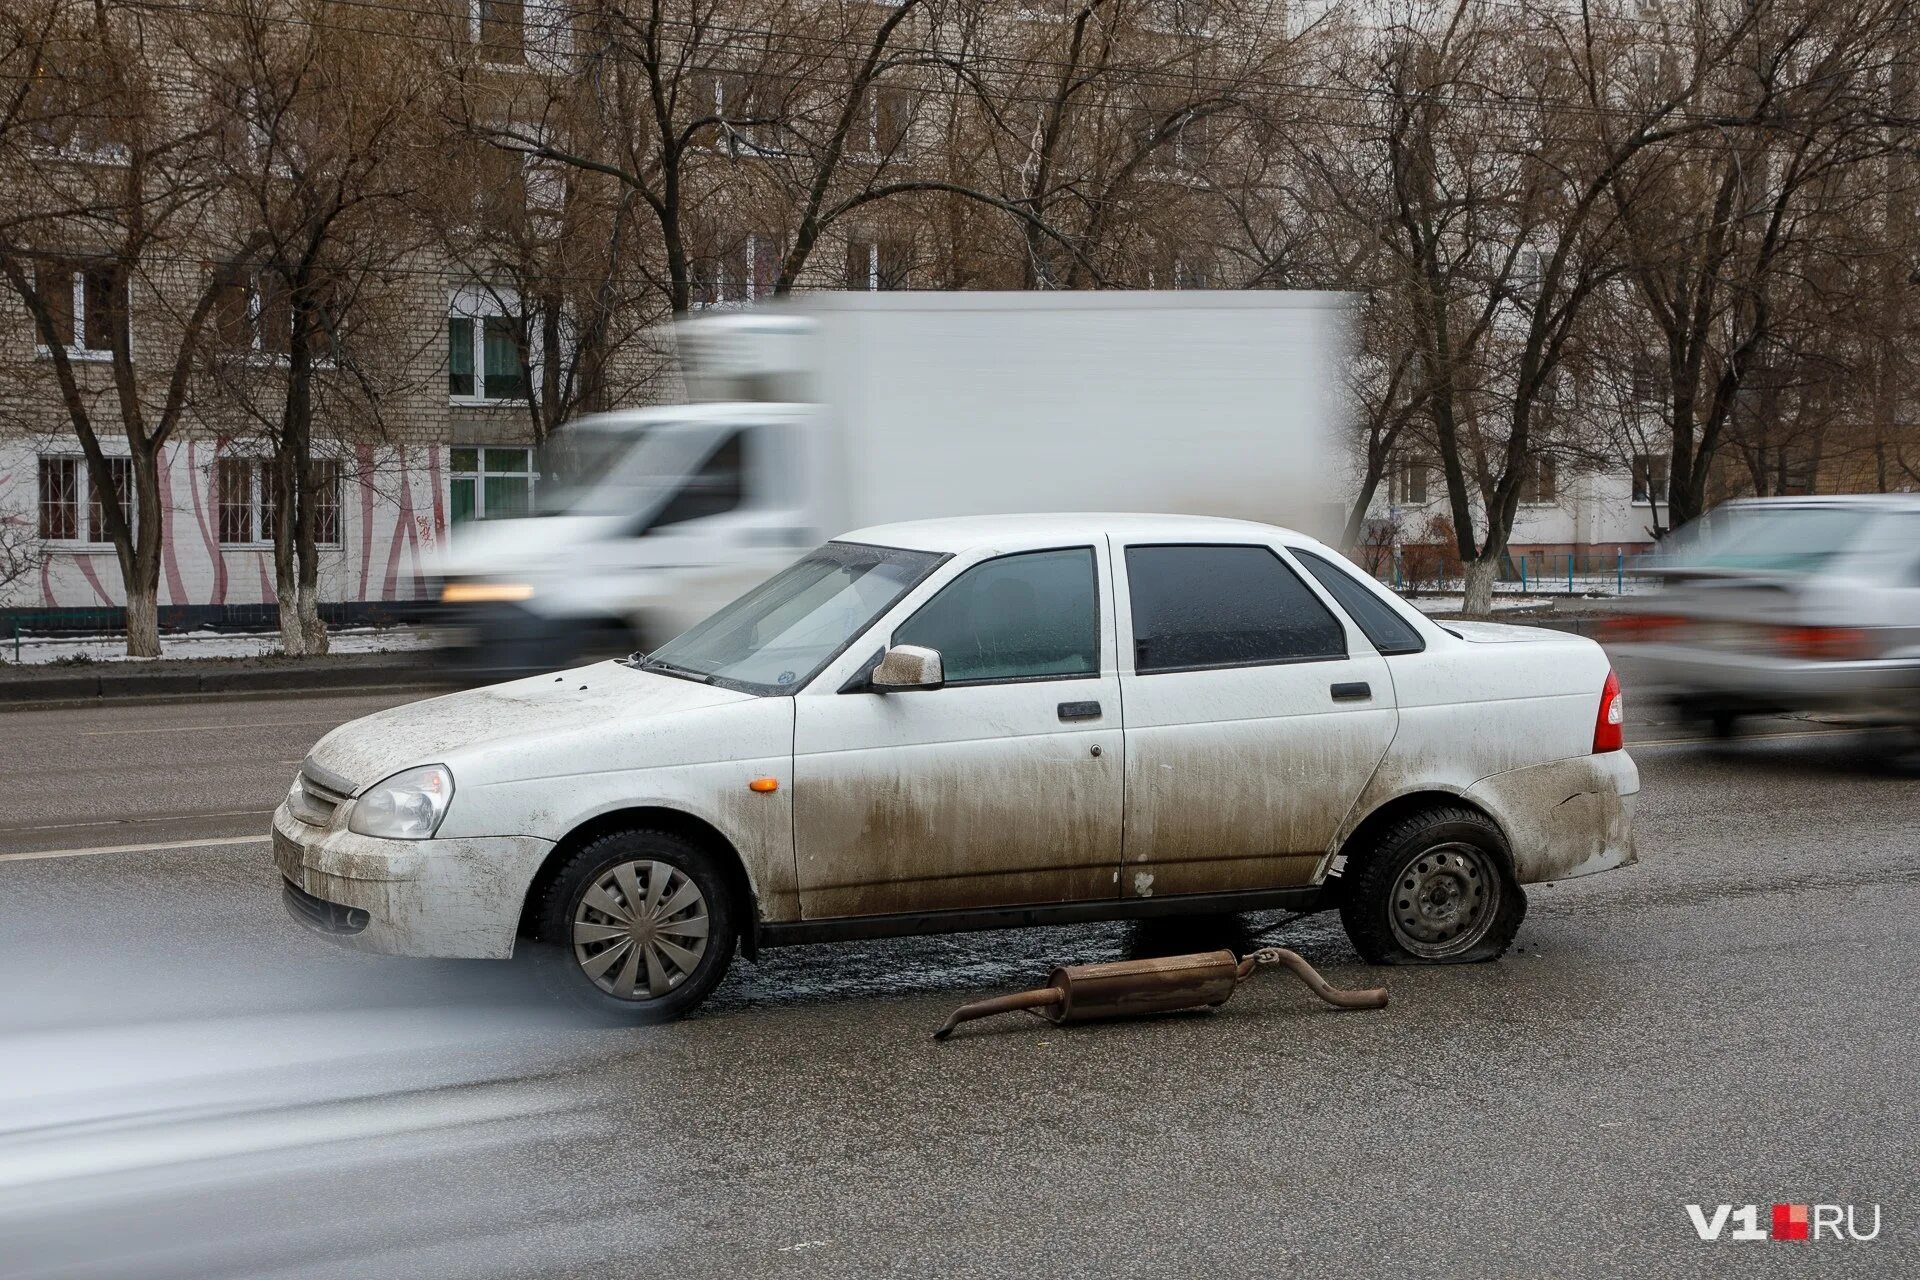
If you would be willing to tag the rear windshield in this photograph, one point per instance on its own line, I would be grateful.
(1767, 539)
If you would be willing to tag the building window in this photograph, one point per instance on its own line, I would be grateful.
(500, 27)
(882, 127)
(253, 313)
(1539, 486)
(745, 272)
(87, 304)
(487, 360)
(491, 484)
(245, 508)
(62, 480)
(876, 264)
(1649, 477)
(1408, 481)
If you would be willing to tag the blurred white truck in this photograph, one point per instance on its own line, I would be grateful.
(825, 414)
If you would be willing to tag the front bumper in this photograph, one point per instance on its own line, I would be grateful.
(1738, 680)
(1566, 818)
(456, 898)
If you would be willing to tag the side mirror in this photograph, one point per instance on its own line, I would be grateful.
(905, 667)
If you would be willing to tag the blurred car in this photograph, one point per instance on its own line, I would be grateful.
(977, 723)
(1771, 605)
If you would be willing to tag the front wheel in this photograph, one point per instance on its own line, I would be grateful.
(1436, 887)
(639, 925)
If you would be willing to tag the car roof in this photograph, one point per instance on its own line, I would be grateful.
(965, 533)
(1871, 501)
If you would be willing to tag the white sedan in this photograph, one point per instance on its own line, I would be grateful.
(976, 723)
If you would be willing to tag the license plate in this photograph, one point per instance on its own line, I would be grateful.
(287, 857)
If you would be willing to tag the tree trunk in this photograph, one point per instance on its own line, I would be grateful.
(1480, 573)
(286, 591)
(311, 625)
(143, 622)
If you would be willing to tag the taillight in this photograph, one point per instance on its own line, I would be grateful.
(1609, 727)
(1635, 628)
(1823, 644)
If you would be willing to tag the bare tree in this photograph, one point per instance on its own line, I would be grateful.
(109, 220)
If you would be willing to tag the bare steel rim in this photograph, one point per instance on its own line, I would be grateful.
(640, 929)
(1445, 900)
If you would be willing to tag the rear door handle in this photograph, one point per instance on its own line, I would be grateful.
(1079, 711)
(1352, 691)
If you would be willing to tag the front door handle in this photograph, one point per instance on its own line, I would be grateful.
(1079, 711)
(1352, 691)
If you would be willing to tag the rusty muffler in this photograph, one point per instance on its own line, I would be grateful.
(1134, 988)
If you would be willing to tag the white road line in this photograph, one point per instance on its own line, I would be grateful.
(208, 728)
(1739, 738)
(135, 822)
(133, 848)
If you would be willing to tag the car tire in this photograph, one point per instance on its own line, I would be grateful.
(647, 964)
(1434, 887)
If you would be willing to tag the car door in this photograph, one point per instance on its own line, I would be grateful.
(1001, 788)
(1254, 716)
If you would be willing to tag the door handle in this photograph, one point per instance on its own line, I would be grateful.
(1079, 711)
(1352, 691)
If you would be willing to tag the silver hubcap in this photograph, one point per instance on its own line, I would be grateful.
(640, 929)
(1445, 900)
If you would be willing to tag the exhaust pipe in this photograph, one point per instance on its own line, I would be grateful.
(1136, 988)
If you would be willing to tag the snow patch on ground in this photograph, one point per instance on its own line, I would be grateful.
(34, 650)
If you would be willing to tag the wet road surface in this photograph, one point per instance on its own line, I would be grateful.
(191, 1086)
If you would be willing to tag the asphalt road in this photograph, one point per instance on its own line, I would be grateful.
(191, 1086)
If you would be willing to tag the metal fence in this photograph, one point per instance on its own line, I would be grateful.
(1610, 573)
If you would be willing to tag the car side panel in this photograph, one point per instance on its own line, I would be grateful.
(698, 764)
(1470, 711)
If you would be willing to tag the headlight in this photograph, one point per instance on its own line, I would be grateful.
(485, 592)
(407, 806)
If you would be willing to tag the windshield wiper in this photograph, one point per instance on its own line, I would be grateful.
(669, 669)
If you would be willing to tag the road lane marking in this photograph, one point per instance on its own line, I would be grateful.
(155, 847)
(135, 822)
(209, 728)
(1739, 738)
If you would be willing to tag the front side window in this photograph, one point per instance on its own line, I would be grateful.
(1196, 607)
(1032, 616)
(719, 486)
(779, 635)
(490, 484)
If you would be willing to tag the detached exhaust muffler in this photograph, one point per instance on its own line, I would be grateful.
(1135, 988)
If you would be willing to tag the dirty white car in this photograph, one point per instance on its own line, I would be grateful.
(974, 723)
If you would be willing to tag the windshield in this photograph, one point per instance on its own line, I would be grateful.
(576, 458)
(776, 637)
(1766, 539)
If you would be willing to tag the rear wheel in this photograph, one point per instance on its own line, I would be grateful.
(1436, 887)
(640, 925)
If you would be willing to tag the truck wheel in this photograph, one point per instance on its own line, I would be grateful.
(1436, 887)
(639, 925)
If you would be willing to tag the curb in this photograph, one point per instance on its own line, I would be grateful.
(83, 687)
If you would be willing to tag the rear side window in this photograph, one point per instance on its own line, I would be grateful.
(1389, 632)
(1208, 606)
(1032, 616)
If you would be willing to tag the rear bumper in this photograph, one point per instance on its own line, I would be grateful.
(1734, 680)
(1566, 818)
(457, 899)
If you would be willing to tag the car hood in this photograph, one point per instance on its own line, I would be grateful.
(439, 730)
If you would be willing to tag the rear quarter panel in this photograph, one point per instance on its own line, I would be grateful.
(1471, 709)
